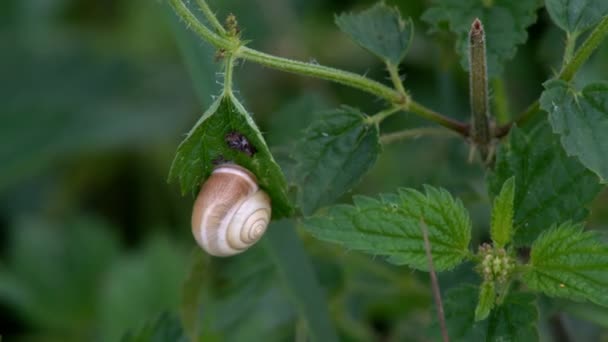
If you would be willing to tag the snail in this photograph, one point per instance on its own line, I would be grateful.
(231, 212)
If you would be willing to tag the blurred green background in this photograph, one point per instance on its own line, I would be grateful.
(95, 96)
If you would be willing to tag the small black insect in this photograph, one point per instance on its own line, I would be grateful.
(237, 141)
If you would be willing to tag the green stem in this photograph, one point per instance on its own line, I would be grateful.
(568, 71)
(582, 54)
(234, 48)
(323, 72)
(570, 46)
(377, 118)
(414, 133)
(228, 74)
(393, 71)
(198, 28)
(501, 101)
(211, 17)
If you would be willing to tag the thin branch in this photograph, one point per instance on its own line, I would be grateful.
(434, 283)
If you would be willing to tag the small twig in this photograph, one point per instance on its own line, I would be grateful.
(434, 282)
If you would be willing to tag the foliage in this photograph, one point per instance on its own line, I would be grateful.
(511, 239)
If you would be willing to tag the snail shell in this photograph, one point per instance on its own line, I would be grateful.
(231, 212)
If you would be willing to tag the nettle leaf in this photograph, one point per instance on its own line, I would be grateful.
(502, 214)
(549, 186)
(505, 23)
(487, 297)
(206, 144)
(576, 16)
(380, 30)
(570, 263)
(581, 119)
(514, 320)
(336, 151)
(391, 226)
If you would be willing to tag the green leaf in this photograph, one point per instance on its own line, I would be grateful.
(505, 23)
(390, 226)
(514, 320)
(549, 186)
(336, 151)
(575, 16)
(206, 143)
(581, 119)
(570, 263)
(502, 214)
(380, 30)
(487, 297)
(298, 276)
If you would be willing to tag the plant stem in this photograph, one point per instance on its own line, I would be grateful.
(211, 17)
(380, 116)
(444, 121)
(234, 47)
(393, 71)
(571, 66)
(582, 54)
(434, 282)
(229, 67)
(320, 71)
(478, 82)
(569, 47)
(414, 133)
(198, 28)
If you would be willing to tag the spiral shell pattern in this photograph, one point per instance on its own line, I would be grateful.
(231, 212)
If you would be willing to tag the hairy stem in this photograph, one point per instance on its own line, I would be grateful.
(211, 17)
(380, 116)
(478, 82)
(393, 71)
(320, 71)
(434, 283)
(228, 74)
(571, 66)
(569, 47)
(233, 46)
(584, 52)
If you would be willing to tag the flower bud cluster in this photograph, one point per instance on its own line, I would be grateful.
(496, 264)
